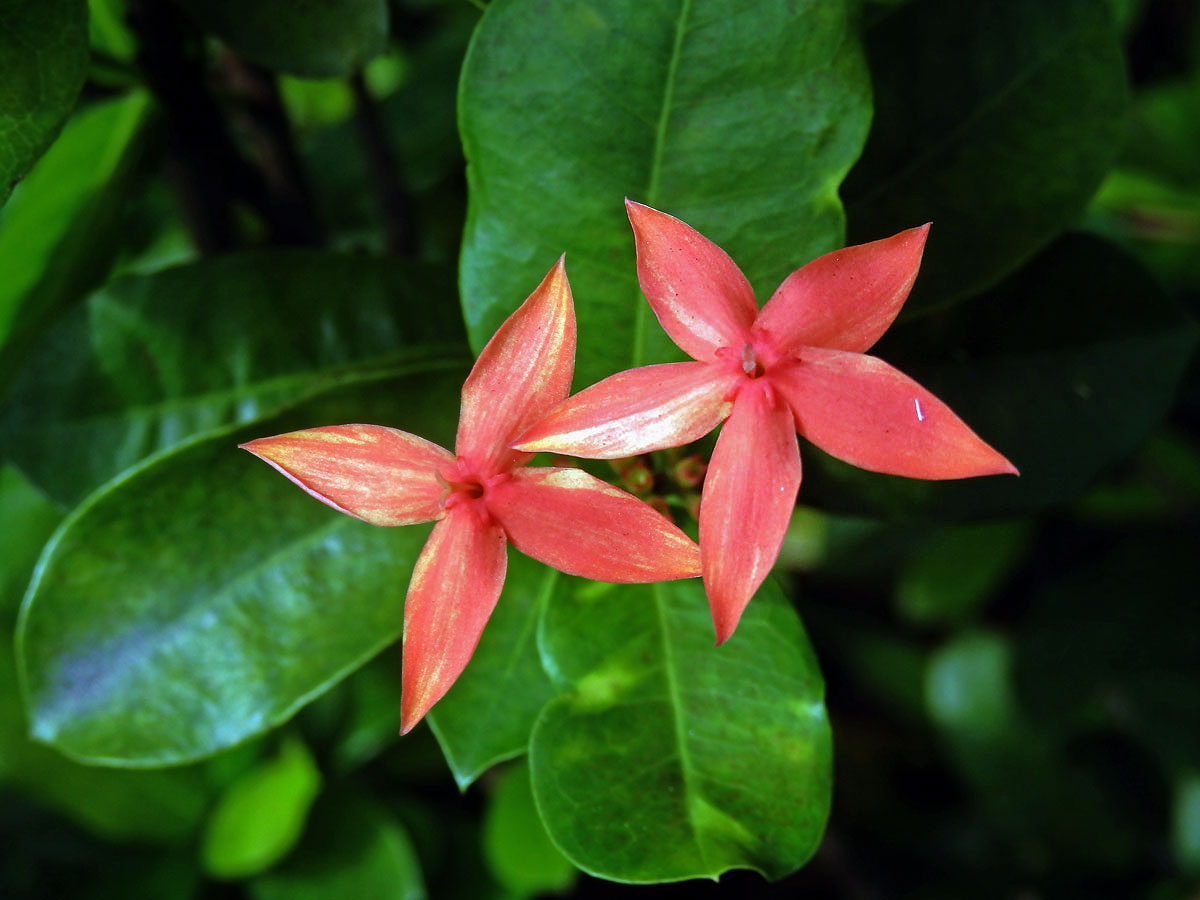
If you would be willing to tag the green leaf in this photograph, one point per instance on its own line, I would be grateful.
(59, 232)
(739, 118)
(488, 714)
(202, 599)
(515, 843)
(153, 360)
(996, 120)
(315, 38)
(261, 815)
(43, 61)
(352, 848)
(1185, 831)
(1064, 368)
(667, 758)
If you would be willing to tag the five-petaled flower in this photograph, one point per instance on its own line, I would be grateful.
(484, 497)
(796, 365)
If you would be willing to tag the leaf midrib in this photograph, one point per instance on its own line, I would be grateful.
(641, 314)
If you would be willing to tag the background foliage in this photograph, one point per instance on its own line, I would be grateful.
(220, 221)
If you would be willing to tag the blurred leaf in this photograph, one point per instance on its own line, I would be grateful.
(1166, 122)
(108, 32)
(203, 599)
(954, 573)
(59, 232)
(515, 843)
(741, 119)
(43, 61)
(488, 714)
(262, 815)
(1185, 835)
(370, 726)
(1063, 368)
(668, 759)
(28, 519)
(1116, 642)
(996, 120)
(153, 360)
(353, 848)
(1025, 789)
(315, 38)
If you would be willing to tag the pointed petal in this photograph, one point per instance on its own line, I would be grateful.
(636, 411)
(380, 475)
(863, 411)
(748, 498)
(453, 590)
(845, 300)
(701, 298)
(522, 373)
(583, 526)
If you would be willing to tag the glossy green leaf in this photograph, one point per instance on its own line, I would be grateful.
(515, 843)
(43, 61)
(1064, 368)
(262, 814)
(153, 360)
(488, 714)
(202, 598)
(995, 119)
(352, 848)
(149, 807)
(59, 231)
(741, 119)
(316, 38)
(666, 758)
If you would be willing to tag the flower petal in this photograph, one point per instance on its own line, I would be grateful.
(453, 590)
(863, 411)
(701, 298)
(584, 526)
(845, 300)
(749, 495)
(380, 475)
(636, 411)
(522, 373)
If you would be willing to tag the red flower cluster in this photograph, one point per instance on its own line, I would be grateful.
(796, 366)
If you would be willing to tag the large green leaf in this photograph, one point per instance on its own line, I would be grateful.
(1064, 368)
(201, 599)
(995, 119)
(488, 714)
(667, 758)
(153, 360)
(740, 118)
(60, 230)
(43, 61)
(315, 38)
(151, 807)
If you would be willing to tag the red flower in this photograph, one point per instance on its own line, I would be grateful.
(796, 365)
(483, 497)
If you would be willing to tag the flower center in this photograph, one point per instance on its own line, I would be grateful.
(750, 362)
(460, 484)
